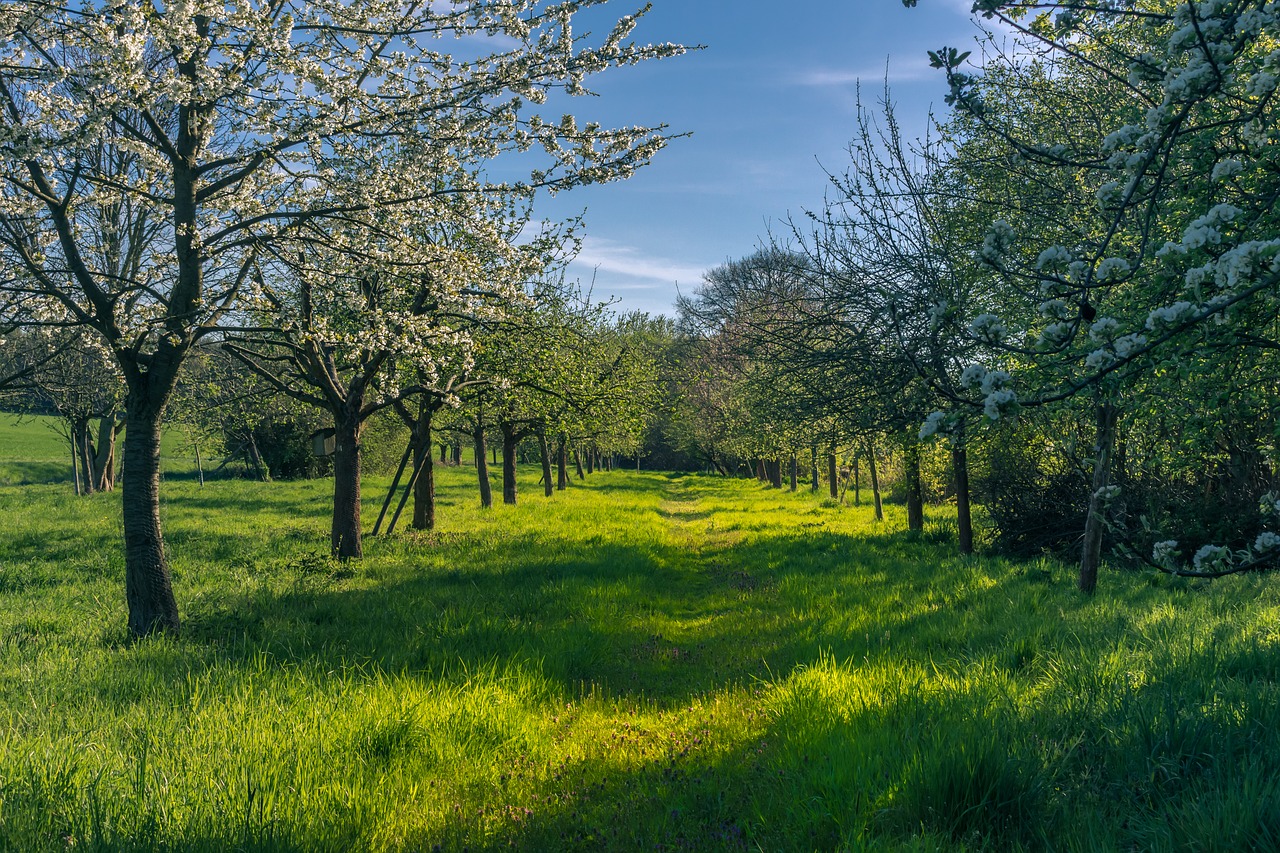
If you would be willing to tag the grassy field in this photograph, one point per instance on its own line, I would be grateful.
(646, 662)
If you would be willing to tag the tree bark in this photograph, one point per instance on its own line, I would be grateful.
(795, 471)
(264, 473)
(857, 482)
(509, 442)
(915, 496)
(75, 461)
(875, 483)
(148, 586)
(591, 461)
(84, 453)
(577, 461)
(1103, 448)
(775, 473)
(457, 453)
(482, 469)
(424, 487)
(562, 464)
(104, 460)
(813, 452)
(345, 531)
(544, 454)
(833, 476)
(964, 518)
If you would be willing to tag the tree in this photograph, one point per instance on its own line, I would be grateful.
(1183, 266)
(220, 129)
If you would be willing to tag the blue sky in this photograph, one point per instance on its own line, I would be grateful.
(769, 103)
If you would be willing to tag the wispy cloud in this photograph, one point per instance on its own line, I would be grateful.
(897, 70)
(609, 256)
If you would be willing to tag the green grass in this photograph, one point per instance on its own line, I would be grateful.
(644, 662)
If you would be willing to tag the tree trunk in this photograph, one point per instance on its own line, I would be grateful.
(482, 470)
(795, 471)
(75, 461)
(424, 487)
(264, 473)
(875, 483)
(591, 461)
(148, 587)
(457, 453)
(84, 448)
(562, 464)
(813, 452)
(509, 442)
(545, 455)
(345, 531)
(833, 478)
(964, 519)
(104, 460)
(1103, 447)
(577, 461)
(775, 473)
(857, 482)
(915, 496)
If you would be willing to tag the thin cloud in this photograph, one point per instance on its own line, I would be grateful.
(608, 256)
(911, 70)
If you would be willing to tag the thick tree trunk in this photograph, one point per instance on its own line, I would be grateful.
(813, 452)
(1103, 448)
(345, 531)
(457, 453)
(509, 442)
(482, 470)
(833, 476)
(544, 454)
(424, 487)
(964, 518)
(875, 483)
(562, 464)
(795, 471)
(915, 496)
(148, 587)
(775, 473)
(591, 461)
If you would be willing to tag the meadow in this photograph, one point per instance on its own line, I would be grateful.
(644, 662)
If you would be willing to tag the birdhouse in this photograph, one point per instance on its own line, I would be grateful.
(323, 442)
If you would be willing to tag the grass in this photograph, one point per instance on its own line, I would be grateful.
(647, 661)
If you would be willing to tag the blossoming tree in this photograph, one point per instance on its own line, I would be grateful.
(225, 126)
(1182, 266)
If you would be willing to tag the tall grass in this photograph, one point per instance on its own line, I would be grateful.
(643, 662)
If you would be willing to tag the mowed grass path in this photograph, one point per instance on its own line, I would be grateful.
(645, 662)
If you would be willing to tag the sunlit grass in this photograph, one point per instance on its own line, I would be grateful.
(643, 662)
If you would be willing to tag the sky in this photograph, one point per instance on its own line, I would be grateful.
(769, 103)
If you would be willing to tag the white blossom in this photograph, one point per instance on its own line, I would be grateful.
(972, 376)
(988, 328)
(1212, 558)
(1266, 541)
(1164, 552)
